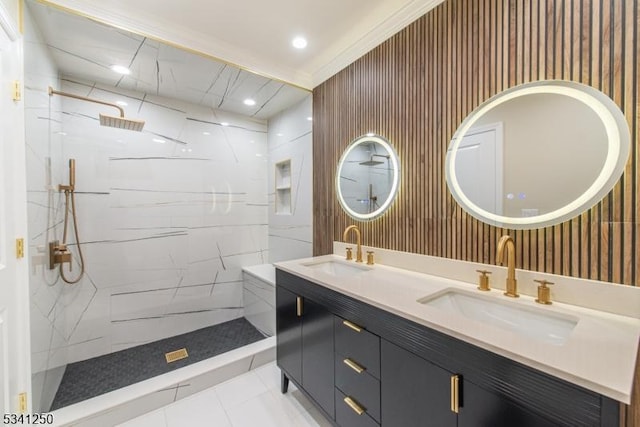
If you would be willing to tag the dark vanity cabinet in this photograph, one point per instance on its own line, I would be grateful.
(305, 346)
(366, 367)
(417, 393)
(357, 374)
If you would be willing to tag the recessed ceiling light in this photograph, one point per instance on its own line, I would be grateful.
(258, 155)
(122, 103)
(280, 134)
(299, 42)
(310, 118)
(250, 102)
(161, 141)
(224, 124)
(206, 133)
(120, 69)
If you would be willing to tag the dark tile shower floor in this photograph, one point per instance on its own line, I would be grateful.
(93, 377)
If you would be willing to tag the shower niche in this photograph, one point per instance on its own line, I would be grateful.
(283, 187)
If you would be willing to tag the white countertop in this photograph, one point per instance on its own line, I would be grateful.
(599, 355)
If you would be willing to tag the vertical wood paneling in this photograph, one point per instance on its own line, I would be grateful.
(418, 86)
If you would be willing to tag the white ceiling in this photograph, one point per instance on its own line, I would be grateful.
(84, 50)
(256, 34)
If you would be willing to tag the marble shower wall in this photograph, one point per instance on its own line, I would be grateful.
(167, 217)
(357, 180)
(290, 137)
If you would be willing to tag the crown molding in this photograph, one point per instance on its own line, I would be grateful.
(330, 63)
(8, 24)
(185, 38)
(332, 60)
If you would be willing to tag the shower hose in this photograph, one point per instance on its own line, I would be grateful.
(69, 194)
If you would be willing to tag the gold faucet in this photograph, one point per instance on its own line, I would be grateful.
(512, 283)
(359, 246)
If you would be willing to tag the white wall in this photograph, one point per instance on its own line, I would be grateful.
(165, 226)
(291, 236)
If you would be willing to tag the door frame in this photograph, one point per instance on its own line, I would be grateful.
(497, 129)
(16, 328)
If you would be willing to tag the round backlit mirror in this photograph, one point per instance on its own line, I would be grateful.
(367, 177)
(537, 154)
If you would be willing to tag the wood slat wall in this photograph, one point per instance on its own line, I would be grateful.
(418, 86)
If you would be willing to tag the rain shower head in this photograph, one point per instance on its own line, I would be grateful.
(372, 162)
(111, 121)
(121, 123)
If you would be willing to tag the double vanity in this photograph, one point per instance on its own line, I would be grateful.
(399, 339)
(380, 345)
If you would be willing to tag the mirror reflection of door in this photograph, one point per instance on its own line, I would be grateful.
(479, 166)
(545, 135)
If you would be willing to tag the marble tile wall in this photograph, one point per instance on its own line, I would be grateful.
(167, 217)
(259, 297)
(290, 235)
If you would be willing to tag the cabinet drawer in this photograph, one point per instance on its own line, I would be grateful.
(358, 344)
(347, 416)
(361, 386)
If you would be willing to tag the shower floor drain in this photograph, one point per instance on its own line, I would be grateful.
(173, 356)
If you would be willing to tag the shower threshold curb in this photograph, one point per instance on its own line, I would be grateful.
(121, 405)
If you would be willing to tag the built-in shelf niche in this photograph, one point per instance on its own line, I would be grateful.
(283, 187)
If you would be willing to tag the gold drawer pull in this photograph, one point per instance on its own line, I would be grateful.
(299, 306)
(352, 326)
(455, 406)
(353, 365)
(353, 405)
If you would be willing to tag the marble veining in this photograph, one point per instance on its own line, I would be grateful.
(259, 297)
(165, 227)
(290, 236)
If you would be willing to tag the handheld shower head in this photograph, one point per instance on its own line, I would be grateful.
(110, 121)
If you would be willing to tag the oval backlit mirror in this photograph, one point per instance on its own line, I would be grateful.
(537, 154)
(367, 178)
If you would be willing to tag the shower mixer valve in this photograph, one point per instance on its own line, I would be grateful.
(58, 254)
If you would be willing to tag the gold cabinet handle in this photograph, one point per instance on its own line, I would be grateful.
(353, 365)
(299, 306)
(352, 326)
(353, 405)
(455, 383)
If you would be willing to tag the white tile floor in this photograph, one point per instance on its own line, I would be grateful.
(249, 400)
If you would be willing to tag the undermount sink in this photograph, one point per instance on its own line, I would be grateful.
(337, 268)
(551, 327)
